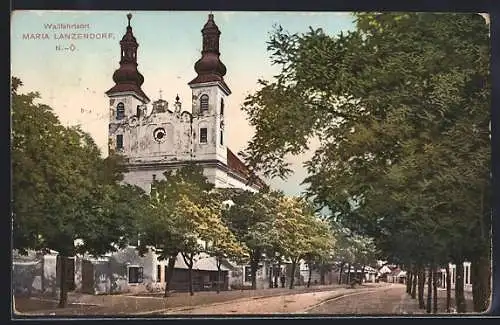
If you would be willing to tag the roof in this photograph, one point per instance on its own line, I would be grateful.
(395, 272)
(123, 87)
(235, 165)
(204, 263)
(384, 270)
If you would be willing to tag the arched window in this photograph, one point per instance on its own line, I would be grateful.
(120, 111)
(203, 103)
(222, 106)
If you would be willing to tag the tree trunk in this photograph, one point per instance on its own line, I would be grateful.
(219, 273)
(341, 272)
(292, 278)
(310, 275)
(349, 274)
(63, 293)
(322, 275)
(253, 271)
(362, 274)
(421, 286)
(434, 290)
(170, 273)
(429, 292)
(277, 275)
(448, 288)
(188, 259)
(409, 279)
(414, 285)
(481, 283)
(459, 287)
(271, 267)
(190, 279)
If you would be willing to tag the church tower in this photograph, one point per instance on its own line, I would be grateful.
(126, 99)
(209, 98)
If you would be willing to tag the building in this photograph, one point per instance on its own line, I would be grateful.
(158, 137)
(453, 276)
(155, 137)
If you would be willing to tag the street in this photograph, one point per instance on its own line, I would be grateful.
(303, 302)
(369, 299)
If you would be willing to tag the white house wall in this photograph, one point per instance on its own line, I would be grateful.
(34, 274)
(453, 275)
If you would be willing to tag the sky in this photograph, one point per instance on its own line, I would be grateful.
(73, 75)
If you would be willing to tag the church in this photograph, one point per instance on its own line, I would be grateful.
(155, 137)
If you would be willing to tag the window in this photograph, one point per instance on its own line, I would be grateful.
(138, 111)
(221, 138)
(154, 177)
(248, 274)
(222, 106)
(203, 103)
(453, 275)
(135, 274)
(203, 135)
(119, 141)
(120, 111)
(158, 273)
(466, 274)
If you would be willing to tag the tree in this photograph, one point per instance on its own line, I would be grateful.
(63, 189)
(171, 224)
(250, 219)
(400, 107)
(321, 246)
(301, 234)
(221, 242)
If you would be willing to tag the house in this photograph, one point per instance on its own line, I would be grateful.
(34, 273)
(396, 276)
(384, 271)
(330, 276)
(357, 272)
(453, 276)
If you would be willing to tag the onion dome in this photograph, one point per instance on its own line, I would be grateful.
(127, 77)
(209, 67)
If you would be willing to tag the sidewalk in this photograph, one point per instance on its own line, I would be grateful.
(410, 306)
(126, 304)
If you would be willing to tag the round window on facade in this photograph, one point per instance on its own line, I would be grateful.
(159, 134)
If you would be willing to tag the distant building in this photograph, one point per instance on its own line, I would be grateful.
(453, 276)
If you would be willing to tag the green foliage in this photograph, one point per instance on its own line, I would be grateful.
(174, 213)
(62, 189)
(401, 109)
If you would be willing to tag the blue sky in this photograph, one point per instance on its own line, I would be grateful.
(74, 82)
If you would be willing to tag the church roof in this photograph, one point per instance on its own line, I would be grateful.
(127, 78)
(209, 67)
(235, 164)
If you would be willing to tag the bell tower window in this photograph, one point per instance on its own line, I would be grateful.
(120, 111)
(221, 138)
(222, 106)
(204, 103)
(119, 141)
(203, 135)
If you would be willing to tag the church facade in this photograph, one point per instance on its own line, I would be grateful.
(155, 136)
